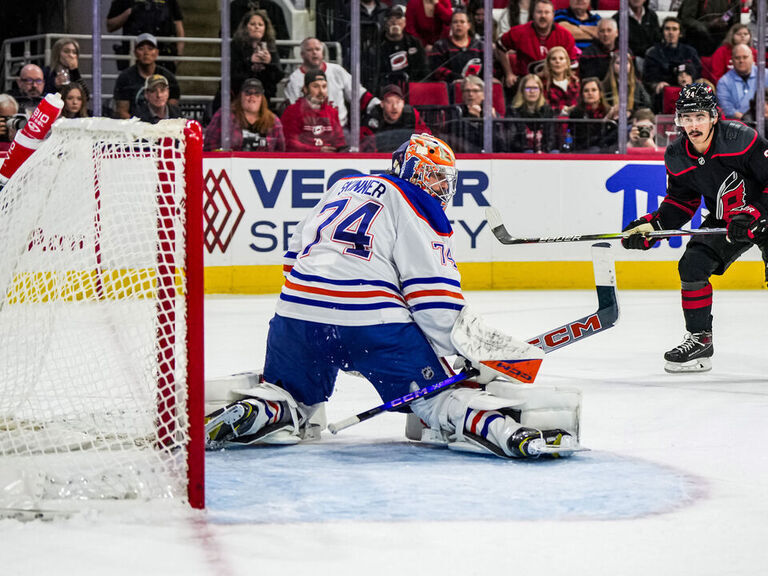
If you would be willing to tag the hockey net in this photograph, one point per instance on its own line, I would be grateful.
(101, 317)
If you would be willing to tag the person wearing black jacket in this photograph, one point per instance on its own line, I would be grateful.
(725, 162)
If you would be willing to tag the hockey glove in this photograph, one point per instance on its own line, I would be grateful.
(748, 226)
(637, 230)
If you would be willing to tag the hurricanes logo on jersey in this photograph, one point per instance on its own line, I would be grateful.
(731, 197)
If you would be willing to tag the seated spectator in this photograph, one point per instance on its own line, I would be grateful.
(64, 66)
(706, 23)
(476, 12)
(738, 86)
(28, 90)
(156, 106)
(338, 81)
(596, 57)
(643, 131)
(428, 20)
(721, 59)
(252, 125)
(637, 97)
(155, 17)
(75, 101)
(529, 104)
(458, 56)
(516, 12)
(561, 85)
(129, 87)
(8, 109)
(644, 29)
(311, 123)
(579, 21)
(390, 123)
(401, 56)
(599, 135)
(470, 137)
(662, 60)
(750, 118)
(684, 75)
(529, 43)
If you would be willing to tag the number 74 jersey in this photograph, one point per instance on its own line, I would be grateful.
(374, 250)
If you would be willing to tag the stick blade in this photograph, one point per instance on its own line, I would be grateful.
(494, 217)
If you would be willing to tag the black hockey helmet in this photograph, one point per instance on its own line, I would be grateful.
(697, 97)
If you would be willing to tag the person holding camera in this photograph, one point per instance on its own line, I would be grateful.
(9, 120)
(253, 127)
(643, 131)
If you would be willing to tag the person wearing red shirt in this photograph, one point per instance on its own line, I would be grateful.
(532, 41)
(428, 20)
(721, 59)
(311, 124)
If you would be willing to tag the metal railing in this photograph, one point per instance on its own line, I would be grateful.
(37, 50)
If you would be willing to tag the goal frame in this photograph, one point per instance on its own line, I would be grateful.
(193, 180)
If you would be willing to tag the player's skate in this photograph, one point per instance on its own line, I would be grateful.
(245, 422)
(693, 355)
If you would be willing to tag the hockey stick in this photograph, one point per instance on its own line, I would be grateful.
(503, 236)
(403, 400)
(605, 317)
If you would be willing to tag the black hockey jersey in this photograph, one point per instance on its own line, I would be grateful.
(731, 175)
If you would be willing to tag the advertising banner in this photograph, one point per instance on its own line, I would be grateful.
(253, 204)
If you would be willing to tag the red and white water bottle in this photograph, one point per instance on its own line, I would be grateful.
(29, 138)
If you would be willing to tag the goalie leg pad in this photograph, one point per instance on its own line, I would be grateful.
(265, 414)
(554, 411)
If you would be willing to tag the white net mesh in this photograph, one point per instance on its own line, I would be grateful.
(92, 316)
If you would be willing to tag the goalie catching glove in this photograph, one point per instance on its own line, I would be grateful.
(637, 230)
(492, 352)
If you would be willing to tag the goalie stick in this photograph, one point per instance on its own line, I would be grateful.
(503, 236)
(605, 317)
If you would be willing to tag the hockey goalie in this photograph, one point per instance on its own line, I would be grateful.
(372, 287)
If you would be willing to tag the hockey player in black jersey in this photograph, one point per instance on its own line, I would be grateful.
(726, 162)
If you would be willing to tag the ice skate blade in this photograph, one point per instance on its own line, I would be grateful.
(562, 451)
(697, 365)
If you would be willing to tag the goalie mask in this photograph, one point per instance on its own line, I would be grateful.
(430, 164)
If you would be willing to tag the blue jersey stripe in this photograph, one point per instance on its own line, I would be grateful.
(338, 305)
(291, 255)
(434, 305)
(431, 280)
(488, 420)
(355, 282)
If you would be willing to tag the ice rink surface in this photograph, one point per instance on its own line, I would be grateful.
(676, 483)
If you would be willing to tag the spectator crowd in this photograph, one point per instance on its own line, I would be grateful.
(556, 74)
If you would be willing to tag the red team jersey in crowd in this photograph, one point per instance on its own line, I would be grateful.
(531, 47)
(307, 129)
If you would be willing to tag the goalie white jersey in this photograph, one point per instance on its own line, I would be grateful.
(375, 250)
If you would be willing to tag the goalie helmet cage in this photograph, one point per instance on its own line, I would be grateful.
(101, 317)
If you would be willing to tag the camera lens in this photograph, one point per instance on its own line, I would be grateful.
(16, 122)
